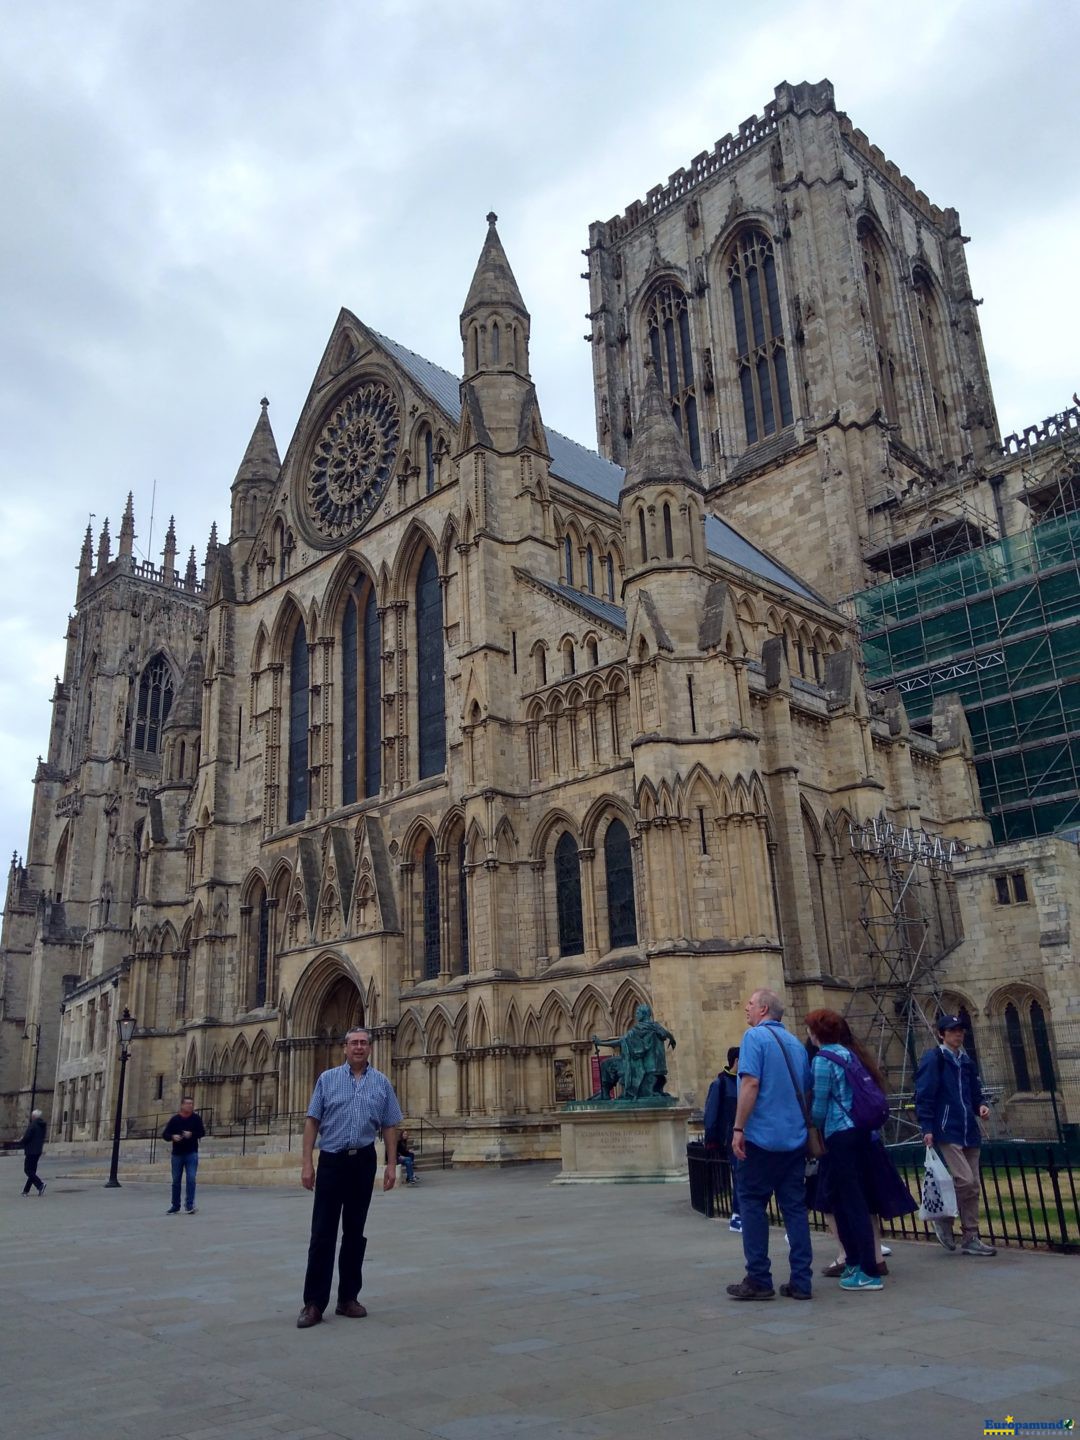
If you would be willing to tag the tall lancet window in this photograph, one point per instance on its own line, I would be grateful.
(618, 865)
(155, 702)
(431, 700)
(933, 344)
(299, 680)
(432, 938)
(667, 322)
(879, 293)
(348, 703)
(759, 335)
(568, 896)
(372, 696)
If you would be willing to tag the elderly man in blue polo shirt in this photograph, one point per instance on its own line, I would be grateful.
(769, 1144)
(350, 1104)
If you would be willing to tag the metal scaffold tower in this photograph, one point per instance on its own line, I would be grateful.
(894, 1006)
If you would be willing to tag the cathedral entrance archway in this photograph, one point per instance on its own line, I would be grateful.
(342, 1010)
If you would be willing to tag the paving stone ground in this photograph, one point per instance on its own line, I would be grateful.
(500, 1305)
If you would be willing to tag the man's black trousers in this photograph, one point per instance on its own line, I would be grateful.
(343, 1185)
(30, 1164)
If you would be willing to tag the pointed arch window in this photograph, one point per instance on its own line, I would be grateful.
(463, 902)
(429, 463)
(619, 868)
(1041, 1036)
(372, 697)
(759, 335)
(155, 702)
(262, 953)
(568, 896)
(876, 272)
(299, 682)
(348, 703)
(930, 327)
(432, 941)
(610, 565)
(568, 559)
(431, 699)
(669, 540)
(1014, 1036)
(667, 322)
(590, 570)
(642, 539)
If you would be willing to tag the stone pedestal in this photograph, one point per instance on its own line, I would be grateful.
(623, 1145)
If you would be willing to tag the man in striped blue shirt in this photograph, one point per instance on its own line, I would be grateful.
(350, 1104)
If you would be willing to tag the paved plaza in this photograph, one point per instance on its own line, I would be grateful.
(500, 1305)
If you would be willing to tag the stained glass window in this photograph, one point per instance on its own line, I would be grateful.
(155, 702)
(432, 946)
(1015, 1038)
(431, 702)
(759, 335)
(372, 697)
(618, 863)
(1041, 1035)
(298, 726)
(568, 896)
(463, 898)
(262, 958)
(348, 703)
(668, 326)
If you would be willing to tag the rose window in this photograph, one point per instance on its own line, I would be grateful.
(353, 461)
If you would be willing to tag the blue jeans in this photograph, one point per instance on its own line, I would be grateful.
(409, 1162)
(184, 1165)
(782, 1173)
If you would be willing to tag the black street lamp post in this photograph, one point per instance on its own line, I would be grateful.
(125, 1029)
(33, 1025)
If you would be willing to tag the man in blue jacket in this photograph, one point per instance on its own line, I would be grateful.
(720, 1105)
(949, 1105)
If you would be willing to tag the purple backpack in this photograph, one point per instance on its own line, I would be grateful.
(869, 1105)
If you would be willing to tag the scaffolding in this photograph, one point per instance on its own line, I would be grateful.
(998, 626)
(894, 1006)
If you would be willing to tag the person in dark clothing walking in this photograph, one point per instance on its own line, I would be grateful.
(720, 1105)
(33, 1143)
(185, 1130)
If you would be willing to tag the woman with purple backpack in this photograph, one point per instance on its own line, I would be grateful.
(849, 1104)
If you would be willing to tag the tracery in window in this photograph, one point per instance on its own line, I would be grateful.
(431, 700)
(934, 353)
(876, 271)
(618, 864)
(568, 896)
(759, 335)
(372, 696)
(667, 324)
(155, 702)
(349, 682)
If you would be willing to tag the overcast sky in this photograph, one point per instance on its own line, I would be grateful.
(192, 191)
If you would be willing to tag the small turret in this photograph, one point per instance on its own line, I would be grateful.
(127, 529)
(253, 488)
(168, 569)
(191, 574)
(662, 498)
(103, 547)
(211, 564)
(86, 558)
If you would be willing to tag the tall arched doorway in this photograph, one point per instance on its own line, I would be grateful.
(340, 1010)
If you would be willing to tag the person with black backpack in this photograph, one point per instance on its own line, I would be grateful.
(849, 1105)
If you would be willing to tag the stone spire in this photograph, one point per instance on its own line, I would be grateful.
(169, 552)
(191, 574)
(127, 529)
(658, 455)
(86, 557)
(494, 320)
(211, 563)
(103, 547)
(253, 487)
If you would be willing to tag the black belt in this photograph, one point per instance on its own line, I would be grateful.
(356, 1150)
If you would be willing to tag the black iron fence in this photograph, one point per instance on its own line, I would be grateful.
(1029, 1193)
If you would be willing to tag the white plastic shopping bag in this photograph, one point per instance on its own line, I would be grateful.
(938, 1190)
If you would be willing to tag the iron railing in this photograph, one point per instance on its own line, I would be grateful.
(423, 1127)
(1029, 1193)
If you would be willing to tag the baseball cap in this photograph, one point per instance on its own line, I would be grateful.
(950, 1022)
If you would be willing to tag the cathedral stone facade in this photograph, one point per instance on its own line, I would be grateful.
(480, 738)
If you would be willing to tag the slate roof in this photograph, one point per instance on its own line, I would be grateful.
(605, 610)
(590, 472)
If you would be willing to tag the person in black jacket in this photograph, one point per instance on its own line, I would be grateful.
(33, 1143)
(720, 1106)
(185, 1130)
(949, 1104)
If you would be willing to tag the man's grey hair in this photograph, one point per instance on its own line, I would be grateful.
(358, 1030)
(772, 1002)
(35, 1114)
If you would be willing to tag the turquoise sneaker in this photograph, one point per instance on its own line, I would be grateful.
(859, 1280)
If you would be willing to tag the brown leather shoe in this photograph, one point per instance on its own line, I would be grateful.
(309, 1315)
(352, 1308)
